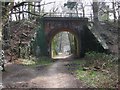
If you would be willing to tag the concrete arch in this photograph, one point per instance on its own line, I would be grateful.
(86, 39)
(55, 31)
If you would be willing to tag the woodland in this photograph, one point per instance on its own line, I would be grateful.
(22, 66)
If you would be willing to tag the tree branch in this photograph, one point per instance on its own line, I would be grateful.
(28, 12)
(18, 5)
(41, 4)
(23, 3)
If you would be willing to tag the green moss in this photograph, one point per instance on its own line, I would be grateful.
(78, 61)
(34, 62)
(44, 61)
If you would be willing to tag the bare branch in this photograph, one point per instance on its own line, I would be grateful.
(28, 12)
(40, 4)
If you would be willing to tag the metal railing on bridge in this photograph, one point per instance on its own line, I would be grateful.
(60, 14)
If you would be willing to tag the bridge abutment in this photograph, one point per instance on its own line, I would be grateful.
(50, 26)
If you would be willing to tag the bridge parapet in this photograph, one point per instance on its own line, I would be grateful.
(86, 38)
(73, 15)
(75, 23)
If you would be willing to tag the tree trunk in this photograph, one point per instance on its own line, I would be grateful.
(76, 10)
(16, 16)
(71, 40)
(114, 13)
(34, 6)
(119, 37)
(39, 8)
(10, 16)
(60, 46)
(83, 10)
(19, 14)
(23, 13)
(95, 11)
(29, 10)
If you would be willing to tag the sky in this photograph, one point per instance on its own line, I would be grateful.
(60, 4)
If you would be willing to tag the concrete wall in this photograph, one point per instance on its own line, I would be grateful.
(54, 25)
(77, 26)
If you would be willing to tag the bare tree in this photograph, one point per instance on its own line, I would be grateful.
(95, 10)
(114, 11)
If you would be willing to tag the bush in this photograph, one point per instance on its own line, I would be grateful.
(99, 70)
(101, 59)
(34, 61)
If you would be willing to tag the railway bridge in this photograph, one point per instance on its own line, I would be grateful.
(86, 39)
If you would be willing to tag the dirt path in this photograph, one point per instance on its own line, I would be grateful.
(53, 76)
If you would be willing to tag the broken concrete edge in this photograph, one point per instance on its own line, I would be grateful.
(99, 38)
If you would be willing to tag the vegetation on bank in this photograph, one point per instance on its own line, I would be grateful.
(97, 70)
(36, 61)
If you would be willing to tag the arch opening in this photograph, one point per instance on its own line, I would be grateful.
(64, 44)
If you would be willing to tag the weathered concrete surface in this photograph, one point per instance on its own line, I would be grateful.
(86, 39)
(54, 25)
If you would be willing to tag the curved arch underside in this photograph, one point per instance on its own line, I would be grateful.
(54, 25)
(50, 26)
(54, 32)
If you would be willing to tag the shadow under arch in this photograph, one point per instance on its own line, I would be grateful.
(54, 32)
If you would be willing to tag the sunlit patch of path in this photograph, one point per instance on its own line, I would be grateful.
(55, 75)
(58, 77)
(62, 56)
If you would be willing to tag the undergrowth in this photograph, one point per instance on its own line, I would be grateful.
(36, 61)
(98, 70)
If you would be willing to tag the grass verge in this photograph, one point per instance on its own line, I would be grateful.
(97, 70)
(34, 61)
(95, 79)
